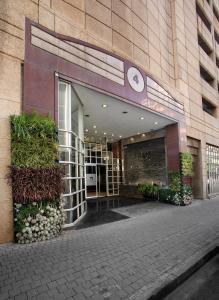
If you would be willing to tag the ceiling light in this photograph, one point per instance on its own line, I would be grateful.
(132, 139)
(86, 130)
(155, 123)
(104, 105)
(95, 131)
(143, 134)
(112, 134)
(138, 132)
(120, 136)
(141, 118)
(94, 126)
(104, 133)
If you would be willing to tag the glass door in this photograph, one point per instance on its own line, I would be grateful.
(91, 181)
(101, 180)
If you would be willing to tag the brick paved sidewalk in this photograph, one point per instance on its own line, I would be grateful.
(128, 259)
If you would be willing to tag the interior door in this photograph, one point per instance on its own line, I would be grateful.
(91, 180)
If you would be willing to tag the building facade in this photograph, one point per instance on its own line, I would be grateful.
(126, 80)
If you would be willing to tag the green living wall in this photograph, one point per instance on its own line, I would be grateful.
(36, 178)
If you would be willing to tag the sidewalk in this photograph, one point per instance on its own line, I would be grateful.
(128, 259)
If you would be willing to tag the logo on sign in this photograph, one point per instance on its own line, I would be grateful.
(135, 79)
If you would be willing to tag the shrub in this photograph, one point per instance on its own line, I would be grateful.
(166, 195)
(186, 194)
(29, 184)
(183, 197)
(175, 181)
(37, 221)
(149, 191)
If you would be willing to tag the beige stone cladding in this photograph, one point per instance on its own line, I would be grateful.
(161, 36)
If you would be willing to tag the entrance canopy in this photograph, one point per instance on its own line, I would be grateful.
(106, 116)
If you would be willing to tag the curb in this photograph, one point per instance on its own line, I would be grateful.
(172, 285)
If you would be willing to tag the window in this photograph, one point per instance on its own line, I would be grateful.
(204, 46)
(216, 13)
(203, 17)
(216, 37)
(208, 107)
(206, 76)
(212, 153)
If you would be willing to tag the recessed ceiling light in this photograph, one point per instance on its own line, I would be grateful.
(132, 139)
(120, 136)
(86, 130)
(104, 105)
(141, 118)
(143, 134)
(95, 131)
(138, 132)
(94, 126)
(112, 134)
(104, 133)
(124, 112)
(155, 123)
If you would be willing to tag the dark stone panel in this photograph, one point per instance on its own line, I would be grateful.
(172, 147)
(145, 162)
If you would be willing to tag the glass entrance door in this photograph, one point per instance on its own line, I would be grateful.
(101, 180)
(91, 181)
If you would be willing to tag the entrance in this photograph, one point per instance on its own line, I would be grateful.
(102, 170)
(95, 181)
(93, 128)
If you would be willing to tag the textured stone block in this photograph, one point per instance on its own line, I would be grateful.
(122, 10)
(121, 27)
(46, 18)
(122, 45)
(99, 30)
(69, 12)
(98, 11)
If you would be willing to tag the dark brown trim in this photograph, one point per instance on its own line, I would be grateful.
(28, 23)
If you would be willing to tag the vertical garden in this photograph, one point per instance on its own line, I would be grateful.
(36, 178)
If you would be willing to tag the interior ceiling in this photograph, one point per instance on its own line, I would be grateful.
(111, 121)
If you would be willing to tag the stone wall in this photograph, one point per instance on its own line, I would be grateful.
(145, 162)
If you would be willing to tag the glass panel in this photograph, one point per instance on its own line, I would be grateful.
(73, 170)
(67, 170)
(71, 120)
(64, 154)
(63, 106)
(68, 202)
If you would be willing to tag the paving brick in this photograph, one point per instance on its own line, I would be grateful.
(128, 259)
